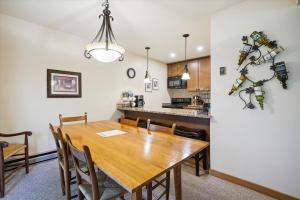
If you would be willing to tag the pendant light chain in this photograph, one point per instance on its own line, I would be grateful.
(186, 74)
(147, 48)
(147, 58)
(185, 48)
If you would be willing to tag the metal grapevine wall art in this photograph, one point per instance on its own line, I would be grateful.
(252, 52)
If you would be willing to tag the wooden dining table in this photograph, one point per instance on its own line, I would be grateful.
(136, 158)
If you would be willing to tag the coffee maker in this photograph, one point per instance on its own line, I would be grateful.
(139, 101)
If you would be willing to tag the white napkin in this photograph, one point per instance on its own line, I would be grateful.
(111, 133)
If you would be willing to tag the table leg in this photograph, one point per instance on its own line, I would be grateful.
(177, 182)
(137, 195)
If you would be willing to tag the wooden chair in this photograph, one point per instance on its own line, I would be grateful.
(88, 184)
(72, 119)
(8, 150)
(159, 128)
(162, 181)
(64, 162)
(202, 155)
(129, 122)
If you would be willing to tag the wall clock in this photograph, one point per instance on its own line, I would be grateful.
(130, 73)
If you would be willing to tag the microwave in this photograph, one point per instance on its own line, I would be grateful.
(176, 82)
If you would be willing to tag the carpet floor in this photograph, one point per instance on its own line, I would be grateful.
(42, 183)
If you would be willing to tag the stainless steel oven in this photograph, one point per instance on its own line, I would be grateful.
(176, 82)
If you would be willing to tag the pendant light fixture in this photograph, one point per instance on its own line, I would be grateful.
(104, 47)
(186, 74)
(147, 76)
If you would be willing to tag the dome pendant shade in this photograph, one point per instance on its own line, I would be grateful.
(99, 52)
(104, 47)
(186, 74)
(147, 78)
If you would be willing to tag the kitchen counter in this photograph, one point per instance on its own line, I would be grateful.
(168, 111)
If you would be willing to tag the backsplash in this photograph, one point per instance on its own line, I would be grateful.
(183, 93)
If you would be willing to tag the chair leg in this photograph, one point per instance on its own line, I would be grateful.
(80, 195)
(206, 159)
(2, 181)
(67, 184)
(197, 160)
(149, 191)
(62, 180)
(168, 185)
(26, 160)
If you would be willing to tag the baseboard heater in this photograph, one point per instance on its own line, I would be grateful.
(33, 159)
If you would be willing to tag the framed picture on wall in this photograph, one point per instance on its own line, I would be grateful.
(63, 84)
(148, 87)
(155, 85)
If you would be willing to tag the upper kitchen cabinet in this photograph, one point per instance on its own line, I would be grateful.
(204, 74)
(176, 69)
(200, 74)
(193, 83)
(172, 70)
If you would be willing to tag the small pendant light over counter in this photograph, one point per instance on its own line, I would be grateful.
(104, 47)
(186, 74)
(147, 76)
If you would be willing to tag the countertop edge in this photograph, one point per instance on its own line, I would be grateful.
(176, 112)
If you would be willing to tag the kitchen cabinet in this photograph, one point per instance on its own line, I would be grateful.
(204, 74)
(192, 84)
(172, 70)
(199, 72)
(176, 69)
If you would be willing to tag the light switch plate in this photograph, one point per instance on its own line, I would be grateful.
(222, 71)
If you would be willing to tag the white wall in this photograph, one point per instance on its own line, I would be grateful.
(258, 146)
(27, 50)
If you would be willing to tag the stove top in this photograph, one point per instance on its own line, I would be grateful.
(178, 103)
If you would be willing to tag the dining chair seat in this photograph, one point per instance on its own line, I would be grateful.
(12, 149)
(108, 188)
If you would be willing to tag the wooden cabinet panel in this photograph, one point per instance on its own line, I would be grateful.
(180, 68)
(199, 72)
(192, 84)
(204, 74)
(172, 70)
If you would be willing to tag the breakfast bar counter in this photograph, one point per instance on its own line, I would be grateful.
(168, 111)
(182, 117)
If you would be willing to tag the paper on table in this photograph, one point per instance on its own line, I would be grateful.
(111, 133)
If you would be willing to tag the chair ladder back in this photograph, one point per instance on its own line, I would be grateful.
(60, 145)
(160, 128)
(84, 157)
(64, 148)
(130, 122)
(72, 119)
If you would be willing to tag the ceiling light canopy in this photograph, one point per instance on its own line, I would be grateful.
(186, 74)
(147, 75)
(104, 47)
